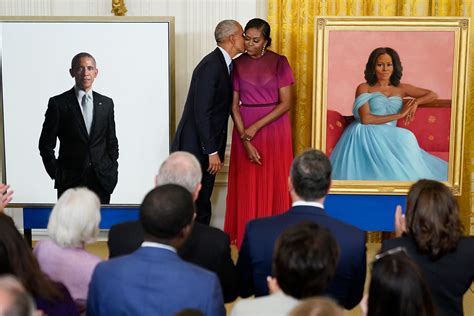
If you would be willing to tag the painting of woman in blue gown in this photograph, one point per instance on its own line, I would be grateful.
(373, 147)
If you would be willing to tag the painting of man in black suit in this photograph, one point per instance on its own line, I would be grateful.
(83, 122)
(202, 130)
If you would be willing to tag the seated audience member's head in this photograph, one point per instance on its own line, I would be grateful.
(166, 214)
(310, 176)
(74, 220)
(317, 306)
(17, 259)
(397, 287)
(304, 260)
(181, 168)
(14, 300)
(190, 312)
(432, 218)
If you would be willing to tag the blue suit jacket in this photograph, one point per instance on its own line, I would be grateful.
(152, 281)
(255, 257)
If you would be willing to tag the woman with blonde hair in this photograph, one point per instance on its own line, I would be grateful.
(74, 222)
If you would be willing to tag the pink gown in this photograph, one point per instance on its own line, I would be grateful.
(257, 191)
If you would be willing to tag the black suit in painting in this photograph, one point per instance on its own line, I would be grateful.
(203, 126)
(83, 159)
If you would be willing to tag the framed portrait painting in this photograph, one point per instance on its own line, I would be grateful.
(134, 59)
(389, 99)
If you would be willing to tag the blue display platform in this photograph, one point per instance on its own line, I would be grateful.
(368, 212)
(38, 217)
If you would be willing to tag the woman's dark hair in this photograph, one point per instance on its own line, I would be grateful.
(262, 25)
(369, 72)
(397, 288)
(16, 258)
(305, 259)
(432, 218)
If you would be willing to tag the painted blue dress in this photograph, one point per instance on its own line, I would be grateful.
(382, 151)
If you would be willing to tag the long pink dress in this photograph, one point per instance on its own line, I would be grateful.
(257, 191)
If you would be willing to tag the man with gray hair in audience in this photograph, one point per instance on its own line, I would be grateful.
(207, 246)
(14, 300)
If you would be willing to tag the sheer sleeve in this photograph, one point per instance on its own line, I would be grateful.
(284, 73)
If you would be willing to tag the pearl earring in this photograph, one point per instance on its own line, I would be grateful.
(263, 49)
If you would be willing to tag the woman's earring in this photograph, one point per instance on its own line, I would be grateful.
(263, 49)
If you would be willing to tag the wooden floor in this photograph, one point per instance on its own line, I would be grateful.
(100, 249)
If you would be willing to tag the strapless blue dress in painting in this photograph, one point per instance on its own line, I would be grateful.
(382, 151)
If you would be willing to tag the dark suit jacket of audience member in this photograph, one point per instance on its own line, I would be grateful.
(255, 257)
(449, 277)
(207, 247)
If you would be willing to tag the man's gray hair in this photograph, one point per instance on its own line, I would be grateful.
(20, 302)
(75, 218)
(180, 168)
(225, 29)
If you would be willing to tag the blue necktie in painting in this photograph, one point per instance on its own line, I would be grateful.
(87, 111)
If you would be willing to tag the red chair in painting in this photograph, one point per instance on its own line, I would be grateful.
(431, 127)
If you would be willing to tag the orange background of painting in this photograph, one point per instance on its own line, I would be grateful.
(427, 59)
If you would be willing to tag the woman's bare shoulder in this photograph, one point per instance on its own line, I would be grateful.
(362, 88)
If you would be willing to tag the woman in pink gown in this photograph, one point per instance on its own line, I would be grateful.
(261, 151)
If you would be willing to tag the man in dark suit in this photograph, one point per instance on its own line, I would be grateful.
(206, 246)
(83, 121)
(153, 280)
(203, 126)
(309, 182)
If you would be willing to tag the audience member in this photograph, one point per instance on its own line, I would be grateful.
(14, 300)
(189, 312)
(317, 306)
(153, 280)
(397, 287)
(74, 222)
(432, 235)
(207, 246)
(17, 259)
(309, 182)
(304, 262)
(6, 196)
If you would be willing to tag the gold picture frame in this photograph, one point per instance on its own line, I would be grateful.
(436, 44)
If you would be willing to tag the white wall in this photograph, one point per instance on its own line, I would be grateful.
(195, 21)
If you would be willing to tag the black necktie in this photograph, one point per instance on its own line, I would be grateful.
(231, 66)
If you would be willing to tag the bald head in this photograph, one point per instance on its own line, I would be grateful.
(180, 168)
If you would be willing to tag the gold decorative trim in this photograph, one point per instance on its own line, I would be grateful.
(118, 7)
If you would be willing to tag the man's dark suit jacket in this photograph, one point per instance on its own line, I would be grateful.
(448, 277)
(255, 257)
(202, 129)
(78, 150)
(207, 247)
